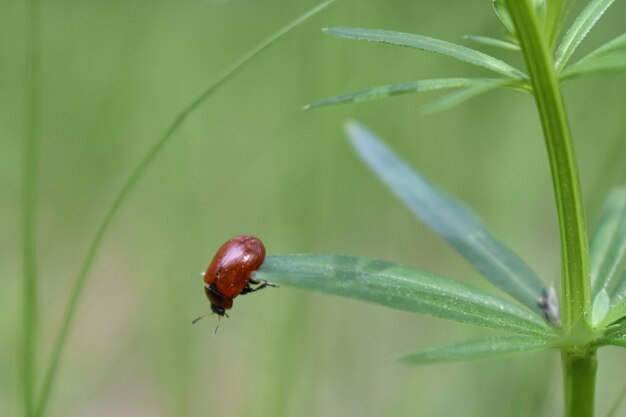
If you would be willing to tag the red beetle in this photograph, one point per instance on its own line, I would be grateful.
(230, 273)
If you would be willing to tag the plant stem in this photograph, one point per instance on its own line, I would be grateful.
(579, 363)
(574, 248)
(579, 383)
(29, 204)
(132, 180)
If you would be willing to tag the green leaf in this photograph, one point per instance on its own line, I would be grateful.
(608, 242)
(618, 302)
(579, 30)
(615, 313)
(498, 43)
(455, 98)
(503, 14)
(384, 91)
(450, 219)
(618, 293)
(477, 349)
(426, 43)
(499, 6)
(557, 13)
(600, 308)
(615, 335)
(540, 9)
(613, 45)
(402, 288)
(609, 58)
(604, 64)
(615, 341)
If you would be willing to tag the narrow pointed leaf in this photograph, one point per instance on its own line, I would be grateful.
(608, 242)
(618, 293)
(557, 13)
(477, 349)
(458, 97)
(426, 43)
(618, 302)
(615, 335)
(418, 86)
(615, 341)
(615, 313)
(503, 14)
(605, 64)
(497, 43)
(600, 308)
(540, 9)
(579, 30)
(402, 288)
(607, 59)
(450, 219)
(613, 45)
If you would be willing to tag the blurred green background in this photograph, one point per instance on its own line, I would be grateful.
(115, 73)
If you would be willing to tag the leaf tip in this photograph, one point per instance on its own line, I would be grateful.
(352, 128)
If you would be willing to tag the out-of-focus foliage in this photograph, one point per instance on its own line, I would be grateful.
(251, 161)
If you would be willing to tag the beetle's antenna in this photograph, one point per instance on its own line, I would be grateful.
(201, 317)
(218, 325)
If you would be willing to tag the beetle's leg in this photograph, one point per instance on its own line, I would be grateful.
(265, 283)
(261, 284)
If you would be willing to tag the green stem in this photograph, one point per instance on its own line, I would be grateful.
(574, 248)
(130, 183)
(579, 364)
(579, 383)
(29, 203)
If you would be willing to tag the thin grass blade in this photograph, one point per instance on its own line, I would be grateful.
(608, 242)
(426, 43)
(476, 349)
(401, 288)
(384, 91)
(28, 361)
(132, 181)
(497, 43)
(585, 21)
(450, 219)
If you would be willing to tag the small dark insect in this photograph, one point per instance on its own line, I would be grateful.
(230, 273)
(549, 303)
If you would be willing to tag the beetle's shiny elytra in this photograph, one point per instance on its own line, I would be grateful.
(230, 272)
